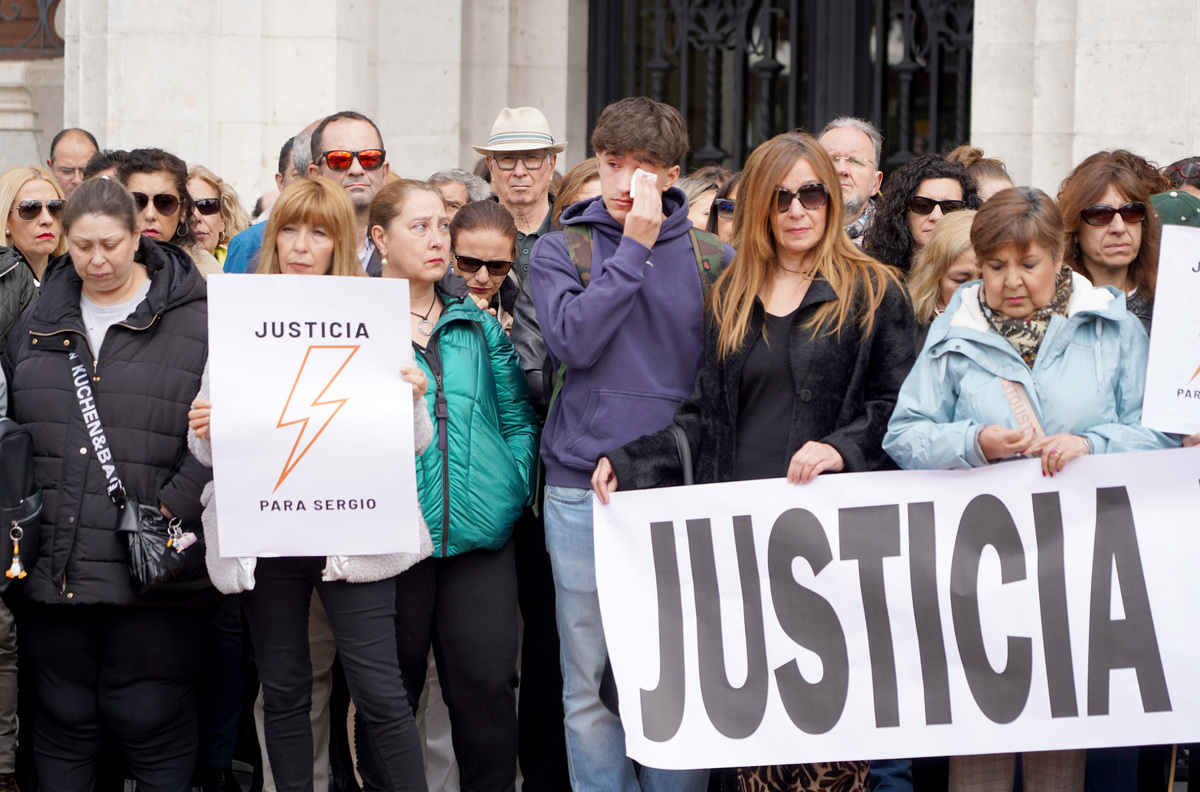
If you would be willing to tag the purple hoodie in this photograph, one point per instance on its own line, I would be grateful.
(632, 340)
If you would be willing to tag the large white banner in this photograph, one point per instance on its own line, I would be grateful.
(312, 426)
(1172, 400)
(906, 613)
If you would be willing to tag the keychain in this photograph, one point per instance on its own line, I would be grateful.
(16, 571)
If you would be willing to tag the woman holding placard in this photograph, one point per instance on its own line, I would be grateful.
(1033, 335)
(105, 658)
(808, 340)
(311, 231)
(473, 484)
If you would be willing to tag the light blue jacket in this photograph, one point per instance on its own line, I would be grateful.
(1087, 380)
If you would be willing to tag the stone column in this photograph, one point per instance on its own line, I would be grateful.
(1056, 80)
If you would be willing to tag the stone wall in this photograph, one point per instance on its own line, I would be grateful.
(224, 83)
(1056, 80)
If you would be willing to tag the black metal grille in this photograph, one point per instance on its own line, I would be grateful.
(27, 30)
(741, 71)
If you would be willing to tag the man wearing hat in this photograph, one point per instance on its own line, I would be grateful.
(521, 155)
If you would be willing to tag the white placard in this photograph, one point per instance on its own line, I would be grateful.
(905, 613)
(312, 426)
(1172, 401)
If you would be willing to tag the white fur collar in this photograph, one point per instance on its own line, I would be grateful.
(1084, 297)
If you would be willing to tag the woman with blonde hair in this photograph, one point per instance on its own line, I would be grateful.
(311, 231)
(946, 263)
(33, 223)
(806, 332)
(217, 213)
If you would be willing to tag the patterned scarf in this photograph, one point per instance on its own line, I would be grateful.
(1026, 334)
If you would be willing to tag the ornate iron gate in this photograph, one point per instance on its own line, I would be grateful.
(741, 71)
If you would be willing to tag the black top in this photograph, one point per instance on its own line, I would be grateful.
(765, 398)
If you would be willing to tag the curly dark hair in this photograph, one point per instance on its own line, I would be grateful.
(155, 160)
(889, 239)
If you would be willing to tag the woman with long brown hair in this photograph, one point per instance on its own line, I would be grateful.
(806, 332)
(1111, 227)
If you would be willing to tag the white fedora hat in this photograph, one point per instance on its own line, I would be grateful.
(521, 129)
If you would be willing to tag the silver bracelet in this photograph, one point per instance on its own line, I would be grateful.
(1091, 448)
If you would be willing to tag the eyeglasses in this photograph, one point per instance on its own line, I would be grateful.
(812, 196)
(164, 203)
(507, 162)
(853, 162)
(724, 208)
(208, 206)
(340, 159)
(921, 205)
(1103, 214)
(1187, 170)
(31, 210)
(469, 264)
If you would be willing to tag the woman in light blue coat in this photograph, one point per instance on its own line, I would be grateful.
(1035, 338)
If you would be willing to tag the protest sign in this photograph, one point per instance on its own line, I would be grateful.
(312, 426)
(905, 613)
(1172, 400)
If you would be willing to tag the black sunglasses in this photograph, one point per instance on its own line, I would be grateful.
(921, 205)
(811, 196)
(472, 265)
(30, 210)
(724, 208)
(1103, 214)
(164, 203)
(207, 206)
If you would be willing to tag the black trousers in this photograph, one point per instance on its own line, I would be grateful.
(465, 607)
(363, 619)
(129, 669)
(542, 746)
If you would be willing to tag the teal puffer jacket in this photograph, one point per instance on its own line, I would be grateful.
(472, 493)
(1087, 380)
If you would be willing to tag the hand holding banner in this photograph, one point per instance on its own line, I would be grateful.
(312, 426)
(905, 613)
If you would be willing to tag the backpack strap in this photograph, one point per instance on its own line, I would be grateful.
(710, 256)
(579, 248)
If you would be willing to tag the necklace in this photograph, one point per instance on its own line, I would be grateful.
(807, 274)
(421, 325)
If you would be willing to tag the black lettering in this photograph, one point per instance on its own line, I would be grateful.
(362, 331)
(1052, 599)
(810, 621)
(262, 504)
(287, 505)
(263, 334)
(1124, 643)
(341, 505)
(735, 712)
(335, 330)
(310, 326)
(662, 708)
(370, 503)
(300, 506)
(277, 329)
(922, 570)
(868, 535)
(293, 329)
(316, 505)
(1001, 695)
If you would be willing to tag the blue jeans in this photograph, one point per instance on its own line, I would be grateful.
(595, 739)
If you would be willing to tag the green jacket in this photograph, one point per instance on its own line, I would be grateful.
(472, 495)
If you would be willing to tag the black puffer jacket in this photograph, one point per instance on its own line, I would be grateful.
(845, 388)
(147, 374)
(17, 289)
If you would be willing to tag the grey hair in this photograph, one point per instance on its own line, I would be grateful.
(696, 188)
(477, 188)
(302, 151)
(866, 127)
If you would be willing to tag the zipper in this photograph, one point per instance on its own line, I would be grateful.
(441, 410)
(88, 342)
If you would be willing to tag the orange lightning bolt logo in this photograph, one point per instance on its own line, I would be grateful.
(319, 407)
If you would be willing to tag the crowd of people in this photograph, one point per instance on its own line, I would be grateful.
(802, 317)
